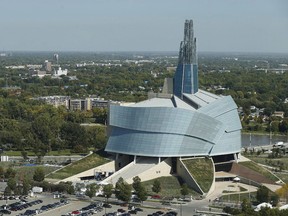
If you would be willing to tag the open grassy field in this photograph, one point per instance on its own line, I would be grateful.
(202, 171)
(79, 166)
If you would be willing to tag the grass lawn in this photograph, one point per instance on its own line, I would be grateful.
(274, 162)
(79, 166)
(202, 171)
(254, 166)
(239, 196)
(28, 171)
(170, 186)
(283, 177)
(65, 152)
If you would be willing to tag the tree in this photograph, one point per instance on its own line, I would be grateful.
(78, 187)
(24, 154)
(156, 188)
(39, 174)
(136, 183)
(100, 115)
(7, 191)
(91, 190)
(2, 172)
(73, 134)
(11, 183)
(184, 190)
(283, 192)
(25, 186)
(262, 194)
(142, 193)
(108, 191)
(10, 173)
(246, 206)
(140, 190)
(66, 187)
(123, 190)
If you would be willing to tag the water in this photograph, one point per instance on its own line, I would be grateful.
(259, 140)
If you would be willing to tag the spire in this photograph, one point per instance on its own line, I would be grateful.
(186, 75)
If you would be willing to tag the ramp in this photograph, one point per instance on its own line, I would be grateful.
(132, 169)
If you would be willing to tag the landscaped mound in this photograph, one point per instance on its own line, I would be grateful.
(256, 173)
(79, 166)
(202, 171)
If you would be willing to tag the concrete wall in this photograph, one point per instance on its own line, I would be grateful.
(212, 188)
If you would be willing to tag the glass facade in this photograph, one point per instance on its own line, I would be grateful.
(174, 132)
(211, 128)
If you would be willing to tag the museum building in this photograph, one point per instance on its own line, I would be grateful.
(181, 122)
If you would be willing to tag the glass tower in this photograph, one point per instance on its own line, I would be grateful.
(186, 75)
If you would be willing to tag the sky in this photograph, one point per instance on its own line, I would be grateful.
(143, 25)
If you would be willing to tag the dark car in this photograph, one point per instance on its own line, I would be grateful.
(106, 205)
(138, 209)
(121, 210)
(172, 213)
(30, 212)
(5, 211)
(132, 212)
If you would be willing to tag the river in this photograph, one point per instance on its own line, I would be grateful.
(259, 140)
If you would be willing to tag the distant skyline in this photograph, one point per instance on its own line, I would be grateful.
(143, 25)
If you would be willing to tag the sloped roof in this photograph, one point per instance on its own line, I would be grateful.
(164, 102)
(155, 102)
(201, 98)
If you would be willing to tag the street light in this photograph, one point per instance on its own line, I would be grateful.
(270, 132)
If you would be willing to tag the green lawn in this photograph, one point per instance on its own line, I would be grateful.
(239, 196)
(202, 171)
(79, 166)
(274, 162)
(65, 152)
(170, 187)
(254, 166)
(28, 171)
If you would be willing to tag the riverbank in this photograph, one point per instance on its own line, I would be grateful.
(262, 133)
(255, 139)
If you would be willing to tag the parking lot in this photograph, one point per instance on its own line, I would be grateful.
(47, 205)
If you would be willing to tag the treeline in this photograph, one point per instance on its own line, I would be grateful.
(252, 88)
(127, 83)
(29, 125)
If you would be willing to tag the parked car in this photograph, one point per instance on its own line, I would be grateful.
(156, 197)
(107, 205)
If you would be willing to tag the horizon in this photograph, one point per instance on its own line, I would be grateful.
(139, 51)
(129, 26)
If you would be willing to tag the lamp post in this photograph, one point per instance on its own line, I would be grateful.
(270, 132)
